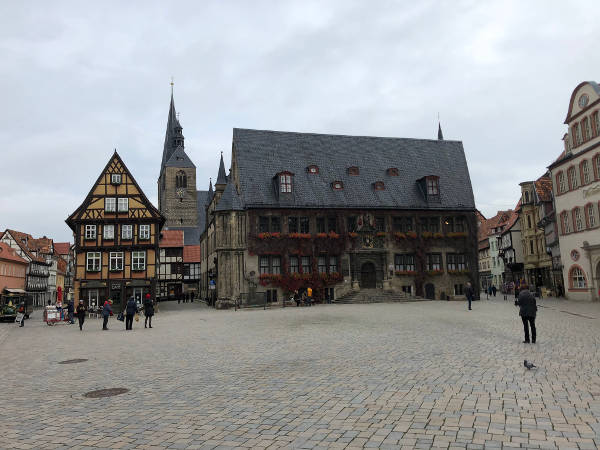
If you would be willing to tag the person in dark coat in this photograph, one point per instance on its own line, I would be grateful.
(527, 311)
(106, 312)
(148, 311)
(130, 310)
(494, 290)
(81, 310)
(469, 294)
(71, 310)
(297, 297)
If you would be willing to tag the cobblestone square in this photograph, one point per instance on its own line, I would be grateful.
(411, 375)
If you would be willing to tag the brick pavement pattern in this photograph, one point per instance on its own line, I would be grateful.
(412, 375)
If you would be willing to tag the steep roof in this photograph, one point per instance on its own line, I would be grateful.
(191, 235)
(191, 254)
(31, 246)
(202, 199)
(171, 238)
(260, 155)
(221, 177)
(543, 188)
(179, 158)
(9, 254)
(514, 216)
(62, 248)
(172, 131)
(230, 200)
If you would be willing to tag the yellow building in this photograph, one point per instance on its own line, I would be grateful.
(116, 231)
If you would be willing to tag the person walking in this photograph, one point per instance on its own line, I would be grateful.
(148, 311)
(469, 294)
(106, 312)
(527, 311)
(81, 310)
(494, 290)
(130, 310)
(297, 297)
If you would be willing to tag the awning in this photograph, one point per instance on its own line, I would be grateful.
(136, 283)
(15, 291)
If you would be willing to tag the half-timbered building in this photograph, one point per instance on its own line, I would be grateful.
(116, 231)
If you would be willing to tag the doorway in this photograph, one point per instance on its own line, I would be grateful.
(430, 291)
(368, 279)
(92, 298)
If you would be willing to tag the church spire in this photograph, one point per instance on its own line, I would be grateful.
(221, 178)
(440, 134)
(174, 133)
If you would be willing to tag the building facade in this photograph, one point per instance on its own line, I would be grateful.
(116, 231)
(339, 214)
(13, 268)
(510, 249)
(170, 268)
(576, 187)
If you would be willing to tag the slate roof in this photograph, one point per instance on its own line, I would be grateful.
(179, 158)
(221, 177)
(171, 238)
(191, 235)
(202, 199)
(260, 155)
(172, 126)
(191, 253)
(230, 200)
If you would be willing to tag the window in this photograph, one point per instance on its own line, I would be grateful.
(306, 268)
(294, 264)
(263, 224)
(562, 185)
(321, 225)
(591, 215)
(116, 261)
(434, 261)
(313, 169)
(577, 134)
(110, 204)
(432, 186)
(304, 225)
(571, 175)
(264, 264)
(431, 224)
(577, 219)
(585, 172)
(380, 223)
(109, 231)
(90, 231)
(126, 232)
(275, 224)
(115, 178)
(333, 264)
(93, 261)
(566, 225)
(353, 170)
(123, 204)
(577, 278)
(458, 289)
(138, 260)
(404, 263)
(596, 119)
(379, 186)
(276, 265)
(526, 196)
(531, 252)
(181, 179)
(455, 261)
(292, 224)
(403, 224)
(173, 252)
(392, 172)
(322, 264)
(144, 231)
(285, 183)
(337, 185)
(597, 165)
(455, 224)
(351, 223)
(528, 221)
(332, 224)
(585, 125)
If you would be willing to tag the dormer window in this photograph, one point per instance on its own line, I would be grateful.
(312, 169)
(392, 172)
(115, 178)
(337, 185)
(285, 182)
(379, 186)
(353, 171)
(433, 186)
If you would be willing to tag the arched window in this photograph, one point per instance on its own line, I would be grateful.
(590, 215)
(597, 165)
(596, 120)
(577, 278)
(572, 176)
(561, 183)
(312, 169)
(565, 224)
(285, 182)
(379, 186)
(584, 168)
(526, 196)
(576, 131)
(577, 219)
(585, 126)
(181, 179)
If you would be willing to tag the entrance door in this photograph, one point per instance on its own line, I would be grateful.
(367, 276)
(92, 298)
(430, 291)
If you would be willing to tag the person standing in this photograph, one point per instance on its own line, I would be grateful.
(469, 294)
(70, 311)
(309, 296)
(527, 311)
(81, 310)
(106, 312)
(297, 297)
(148, 311)
(130, 310)
(494, 290)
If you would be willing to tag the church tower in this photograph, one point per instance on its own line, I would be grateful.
(177, 195)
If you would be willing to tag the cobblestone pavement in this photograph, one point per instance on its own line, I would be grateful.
(412, 375)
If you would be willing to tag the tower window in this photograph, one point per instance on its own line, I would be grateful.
(181, 179)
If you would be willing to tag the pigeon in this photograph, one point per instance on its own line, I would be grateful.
(529, 365)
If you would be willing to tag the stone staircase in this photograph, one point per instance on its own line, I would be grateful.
(376, 296)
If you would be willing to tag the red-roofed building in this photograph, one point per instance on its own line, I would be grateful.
(13, 268)
(191, 269)
(170, 265)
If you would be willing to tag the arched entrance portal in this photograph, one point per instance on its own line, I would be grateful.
(367, 276)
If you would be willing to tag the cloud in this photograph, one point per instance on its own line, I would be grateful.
(80, 79)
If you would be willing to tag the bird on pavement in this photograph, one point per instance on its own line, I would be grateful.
(529, 365)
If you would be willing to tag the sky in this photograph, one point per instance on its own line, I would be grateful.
(79, 79)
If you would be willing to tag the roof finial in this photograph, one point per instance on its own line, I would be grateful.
(440, 134)
(172, 83)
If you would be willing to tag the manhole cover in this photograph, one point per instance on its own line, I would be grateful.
(105, 392)
(73, 361)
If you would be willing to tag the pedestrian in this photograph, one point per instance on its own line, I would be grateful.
(193, 295)
(106, 312)
(81, 310)
(469, 294)
(494, 290)
(70, 311)
(148, 311)
(130, 310)
(297, 297)
(309, 296)
(527, 311)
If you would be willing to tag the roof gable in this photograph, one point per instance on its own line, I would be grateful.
(589, 88)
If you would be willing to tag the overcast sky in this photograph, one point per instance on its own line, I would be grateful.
(79, 79)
